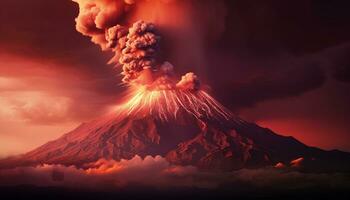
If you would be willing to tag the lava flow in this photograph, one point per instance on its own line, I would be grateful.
(166, 104)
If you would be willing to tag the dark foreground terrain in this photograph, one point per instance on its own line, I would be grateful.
(32, 192)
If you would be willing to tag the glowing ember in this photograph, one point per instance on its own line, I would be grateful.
(167, 104)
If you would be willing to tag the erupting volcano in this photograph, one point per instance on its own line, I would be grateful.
(185, 127)
(166, 115)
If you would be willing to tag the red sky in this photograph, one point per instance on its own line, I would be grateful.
(284, 66)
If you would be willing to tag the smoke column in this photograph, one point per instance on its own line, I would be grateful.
(119, 26)
(136, 47)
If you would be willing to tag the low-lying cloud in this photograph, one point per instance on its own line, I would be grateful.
(159, 173)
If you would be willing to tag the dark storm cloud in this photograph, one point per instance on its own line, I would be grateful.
(46, 30)
(342, 73)
(282, 77)
(340, 63)
(276, 83)
(292, 25)
(258, 36)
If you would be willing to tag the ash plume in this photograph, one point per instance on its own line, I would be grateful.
(95, 16)
(136, 46)
(139, 51)
(127, 29)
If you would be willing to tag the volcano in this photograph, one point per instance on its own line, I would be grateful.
(187, 128)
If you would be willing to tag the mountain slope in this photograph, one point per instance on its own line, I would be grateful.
(206, 143)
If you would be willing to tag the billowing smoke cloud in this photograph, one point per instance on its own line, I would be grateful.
(158, 172)
(134, 47)
(137, 49)
(97, 15)
(189, 82)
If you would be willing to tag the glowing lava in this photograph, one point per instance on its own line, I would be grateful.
(167, 104)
